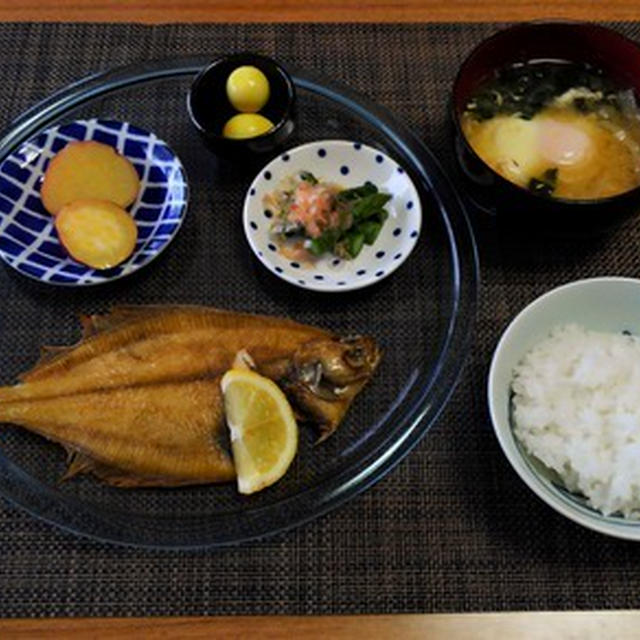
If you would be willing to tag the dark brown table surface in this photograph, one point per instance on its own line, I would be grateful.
(451, 529)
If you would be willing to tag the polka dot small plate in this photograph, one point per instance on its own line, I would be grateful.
(28, 240)
(348, 164)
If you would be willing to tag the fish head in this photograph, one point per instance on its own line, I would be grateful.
(323, 376)
(326, 374)
(334, 363)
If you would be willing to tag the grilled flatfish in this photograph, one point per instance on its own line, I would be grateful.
(137, 402)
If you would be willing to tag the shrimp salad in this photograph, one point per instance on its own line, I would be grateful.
(311, 217)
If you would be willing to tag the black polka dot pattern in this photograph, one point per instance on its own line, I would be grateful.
(375, 262)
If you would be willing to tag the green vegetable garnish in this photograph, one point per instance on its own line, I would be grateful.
(318, 246)
(307, 176)
(354, 241)
(367, 189)
(369, 205)
(361, 214)
(370, 229)
(325, 242)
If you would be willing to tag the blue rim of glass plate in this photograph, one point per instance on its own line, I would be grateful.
(28, 241)
(426, 392)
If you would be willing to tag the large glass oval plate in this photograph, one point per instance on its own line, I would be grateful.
(422, 316)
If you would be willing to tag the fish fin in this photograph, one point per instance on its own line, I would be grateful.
(326, 415)
(116, 317)
(88, 327)
(47, 354)
(91, 325)
(120, 315)
(77, 463)
(117, 478)
(326, 429)
(123, 314)
(124, 481)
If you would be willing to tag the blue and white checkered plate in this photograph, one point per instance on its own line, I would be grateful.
(28, 240)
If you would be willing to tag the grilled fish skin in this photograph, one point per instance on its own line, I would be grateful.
(137, 401)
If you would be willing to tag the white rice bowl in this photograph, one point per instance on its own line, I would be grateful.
(576, 408)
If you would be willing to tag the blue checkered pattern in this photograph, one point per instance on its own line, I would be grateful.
(28, 239)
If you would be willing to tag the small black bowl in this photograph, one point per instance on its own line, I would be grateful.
(499, 200)
(209, 108)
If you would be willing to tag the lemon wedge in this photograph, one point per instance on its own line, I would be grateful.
(264, 433)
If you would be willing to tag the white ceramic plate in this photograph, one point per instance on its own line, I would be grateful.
(349, 164)
(599, 304)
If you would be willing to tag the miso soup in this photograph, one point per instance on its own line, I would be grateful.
(559, 129)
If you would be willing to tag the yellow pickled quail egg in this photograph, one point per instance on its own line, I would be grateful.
(247, 89)
(246, 125)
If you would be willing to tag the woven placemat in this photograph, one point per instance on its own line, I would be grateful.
(452, 528)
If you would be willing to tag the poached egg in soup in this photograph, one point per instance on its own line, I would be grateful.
(540, 132)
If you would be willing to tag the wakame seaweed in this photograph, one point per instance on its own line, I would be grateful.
(524, 89)
(545, 185)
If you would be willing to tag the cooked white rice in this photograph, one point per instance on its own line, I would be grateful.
(576, 407)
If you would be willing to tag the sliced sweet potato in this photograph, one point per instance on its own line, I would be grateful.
(97, 233)
(88, 170)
